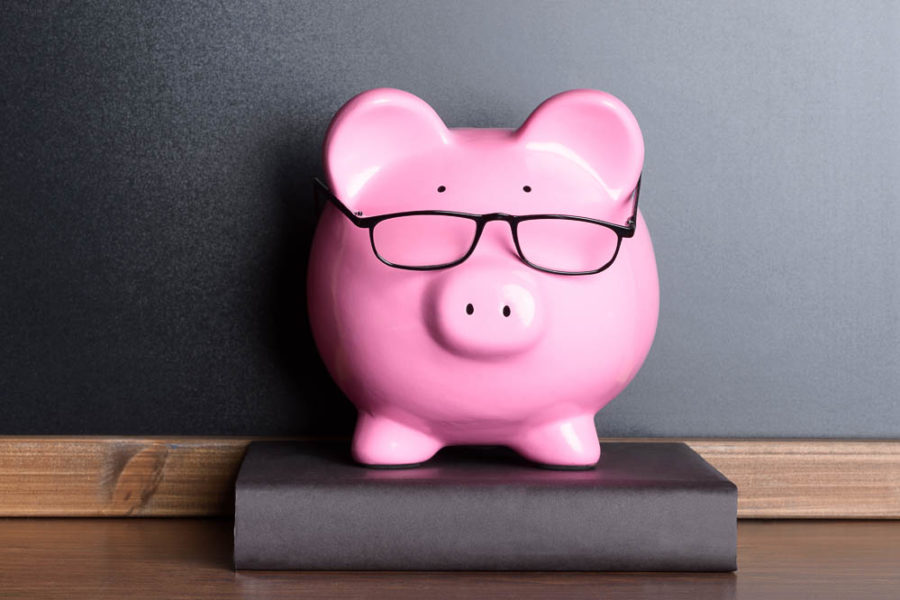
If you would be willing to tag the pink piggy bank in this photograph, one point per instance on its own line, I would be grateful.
(482, 286)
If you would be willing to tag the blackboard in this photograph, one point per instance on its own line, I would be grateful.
(156, 212)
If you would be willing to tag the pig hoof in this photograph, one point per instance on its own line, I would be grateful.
(383, 443)
(571, 444)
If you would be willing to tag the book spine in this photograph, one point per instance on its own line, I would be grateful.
(445, 527)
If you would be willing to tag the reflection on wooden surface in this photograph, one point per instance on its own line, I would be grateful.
(161, 558)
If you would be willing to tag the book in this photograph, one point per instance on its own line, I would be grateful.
(646, 506)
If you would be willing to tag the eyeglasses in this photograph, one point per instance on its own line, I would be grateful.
(427, 240)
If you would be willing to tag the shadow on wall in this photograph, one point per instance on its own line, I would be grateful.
(324, 408)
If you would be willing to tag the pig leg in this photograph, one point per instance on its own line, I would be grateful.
(382, 442)
(569, 443)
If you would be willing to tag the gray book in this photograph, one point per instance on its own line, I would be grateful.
(644, 507)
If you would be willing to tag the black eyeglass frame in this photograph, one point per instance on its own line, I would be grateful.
(621, 231)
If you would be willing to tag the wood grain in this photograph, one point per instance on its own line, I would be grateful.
(191, 558)
(118, 476)
(194, 476)
(811, 478)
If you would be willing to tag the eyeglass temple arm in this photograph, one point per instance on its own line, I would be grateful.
(319, 187)
(631, 223)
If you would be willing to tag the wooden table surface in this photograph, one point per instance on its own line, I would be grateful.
(191, 558)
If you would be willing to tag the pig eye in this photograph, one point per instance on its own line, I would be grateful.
(441, 189)
(526, 189)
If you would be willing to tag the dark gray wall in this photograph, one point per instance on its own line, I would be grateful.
(155, 210)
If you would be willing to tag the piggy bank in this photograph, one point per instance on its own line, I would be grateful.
(482, 286)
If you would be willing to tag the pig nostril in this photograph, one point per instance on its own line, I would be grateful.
(506, 311)
(469, 309)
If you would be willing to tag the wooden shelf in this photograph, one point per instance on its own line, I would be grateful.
(194, 476)
(191, 558)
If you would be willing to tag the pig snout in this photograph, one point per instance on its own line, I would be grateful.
(485, 311)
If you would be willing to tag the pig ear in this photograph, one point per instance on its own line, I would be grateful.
(594, 128)
(373, 130)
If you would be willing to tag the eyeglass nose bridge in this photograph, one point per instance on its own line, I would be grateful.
(498, 217)
(510, 220)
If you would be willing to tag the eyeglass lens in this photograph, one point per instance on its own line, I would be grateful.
(566, 244)
(423, 240)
